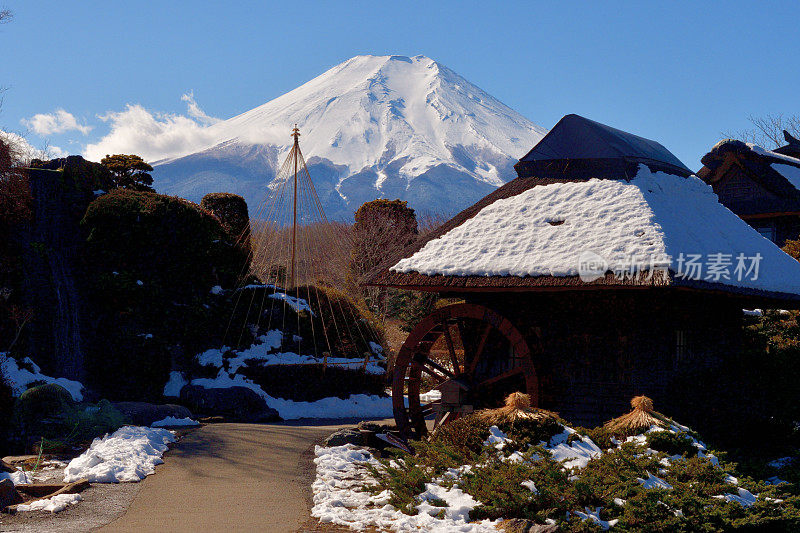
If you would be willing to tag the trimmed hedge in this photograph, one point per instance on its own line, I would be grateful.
(151, 261)
(231, 210)
(168, 242)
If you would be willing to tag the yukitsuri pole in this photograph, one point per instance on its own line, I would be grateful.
(295, 150)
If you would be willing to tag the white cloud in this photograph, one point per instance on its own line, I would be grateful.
(153, 135)
(59, 122)
(195, 111)
(25, 151)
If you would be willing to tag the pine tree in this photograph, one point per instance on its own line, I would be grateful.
(129, 172)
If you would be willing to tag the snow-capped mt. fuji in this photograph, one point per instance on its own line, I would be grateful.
(371, 127)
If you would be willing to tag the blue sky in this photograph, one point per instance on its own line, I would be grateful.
(678, 72)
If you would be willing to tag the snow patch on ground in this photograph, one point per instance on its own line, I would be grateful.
(212, 357)
(20, 378)
(594, 516)
(56, 504)
(171, 421)
(459, 503)
(128, 455)
(341, 473)
(357, 405)
(17, 478)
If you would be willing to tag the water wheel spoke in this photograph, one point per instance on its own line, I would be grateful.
(427, 409)
(451, 348)
(428, 366)
(432, 373)
(479, 350)
(505, 375)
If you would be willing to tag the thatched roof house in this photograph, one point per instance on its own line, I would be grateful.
(761, 186)
(635, 206)
(619, 267)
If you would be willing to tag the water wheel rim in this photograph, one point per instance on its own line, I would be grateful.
(413, 360)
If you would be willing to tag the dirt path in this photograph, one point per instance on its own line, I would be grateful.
(231, 477)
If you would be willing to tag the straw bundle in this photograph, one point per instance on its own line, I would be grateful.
(640, 418)
(517, 407)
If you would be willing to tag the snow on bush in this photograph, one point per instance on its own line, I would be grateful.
(20, 378)
(56, 504)
(576, 454)
(128, 455)
(171, 421)
(342, 472)
(553, 475)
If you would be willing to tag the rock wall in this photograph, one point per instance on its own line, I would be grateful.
(53, 244)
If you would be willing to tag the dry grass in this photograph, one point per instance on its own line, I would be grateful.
(322, 253)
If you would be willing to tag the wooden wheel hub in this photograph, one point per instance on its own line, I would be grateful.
(469, 353)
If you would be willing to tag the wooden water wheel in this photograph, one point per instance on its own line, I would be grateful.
(471, 354)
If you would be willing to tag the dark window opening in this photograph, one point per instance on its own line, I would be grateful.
(767, 232)
(681, 345)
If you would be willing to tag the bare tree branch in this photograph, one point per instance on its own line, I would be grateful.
(5, 16)
(767, 131)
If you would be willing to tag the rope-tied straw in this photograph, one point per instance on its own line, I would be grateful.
(642, 417)
(517, 407)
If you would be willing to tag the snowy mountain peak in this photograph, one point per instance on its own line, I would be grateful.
(376, 126)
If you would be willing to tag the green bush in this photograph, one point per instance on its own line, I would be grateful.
(44, 401)
(48, 414)
(692, 504)
(672, 443)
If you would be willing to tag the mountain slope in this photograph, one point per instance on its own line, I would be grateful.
(373, 126)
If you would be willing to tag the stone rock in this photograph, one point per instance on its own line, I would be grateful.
(344, 436)
(5, 467)
(144, 414)
(8, 494)
(520, 525)
(236, 404)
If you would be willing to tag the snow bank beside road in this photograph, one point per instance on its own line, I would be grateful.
(128, 455)
(171, 421)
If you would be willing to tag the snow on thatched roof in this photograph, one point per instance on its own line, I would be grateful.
(652, 223)
(777, 171)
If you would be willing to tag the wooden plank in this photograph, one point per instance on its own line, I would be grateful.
(68, 488)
